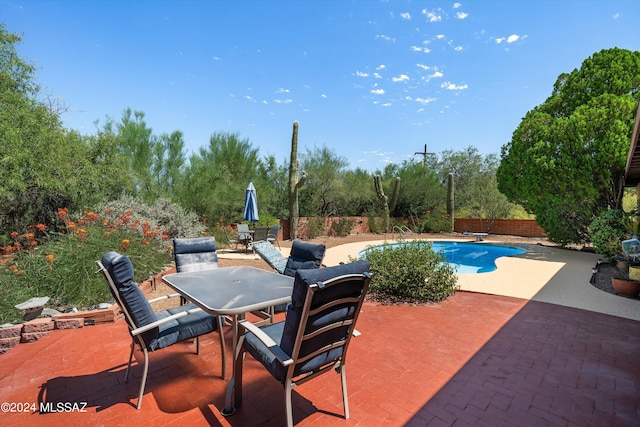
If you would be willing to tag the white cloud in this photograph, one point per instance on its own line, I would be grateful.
(437, 74)
(451, 86)
(432, 16)
(362, 74)
(405, 15)
(377, 75)
(457, 48)
(400, 78)
(511, 39)
(457, 5)
(381, 67)
(461, 15)
(249, 98)
(424, 101)
(424, 67)
(616, 16)
(282, 90)
(385, 38)
(440, 36)
(377, 91)
(323, 96)
(420, 49)
(283, 101)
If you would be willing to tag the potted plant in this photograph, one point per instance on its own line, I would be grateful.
(627, 283)
(610, 237)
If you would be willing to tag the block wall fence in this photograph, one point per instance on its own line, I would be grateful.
(508, 227)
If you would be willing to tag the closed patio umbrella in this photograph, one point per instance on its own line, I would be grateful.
(251, 204)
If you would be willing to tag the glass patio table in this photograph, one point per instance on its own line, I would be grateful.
(232, 291)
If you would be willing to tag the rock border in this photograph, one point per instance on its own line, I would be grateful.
(32, 330)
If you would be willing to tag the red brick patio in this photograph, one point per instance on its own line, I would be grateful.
(475, 359)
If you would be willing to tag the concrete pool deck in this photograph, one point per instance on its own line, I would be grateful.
(543, 273)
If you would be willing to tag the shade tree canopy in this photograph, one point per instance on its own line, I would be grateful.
(565, 161)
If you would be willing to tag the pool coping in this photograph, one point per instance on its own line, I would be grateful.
(544, 273)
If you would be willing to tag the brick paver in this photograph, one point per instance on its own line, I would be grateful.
(472, 360)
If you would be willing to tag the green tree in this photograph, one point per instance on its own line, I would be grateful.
(566, 159)
(476, 188)
(42, 166)
(358, 194)
(273, 181)
(320, 194)
(217, 177)
(168, 164)
(421, 190)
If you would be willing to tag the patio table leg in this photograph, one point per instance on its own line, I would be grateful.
(233, 396)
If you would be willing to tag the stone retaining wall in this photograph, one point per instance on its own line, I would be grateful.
(35, 329)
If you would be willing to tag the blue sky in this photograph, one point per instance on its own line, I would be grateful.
(372, 80)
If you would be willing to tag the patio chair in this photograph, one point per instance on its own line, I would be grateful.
(304, 255)
(151, 331)
(230, 241)
(273, 235)
(260, 234)
(315, 336)
(244, 236)
(197, 254)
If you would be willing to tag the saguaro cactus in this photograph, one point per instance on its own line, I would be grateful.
(388, 207)
(450, 198)
(295, 183)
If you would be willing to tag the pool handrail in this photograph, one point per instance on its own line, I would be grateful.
(402, 229)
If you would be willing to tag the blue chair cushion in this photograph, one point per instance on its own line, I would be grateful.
(136, 304)
(195, 254)
(183, 328)
(271, 255)
(284, 333)
(262, 354)
(304, 256)
(119, 267)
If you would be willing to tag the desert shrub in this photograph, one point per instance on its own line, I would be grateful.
(342, 227)
(163, 214)
(62, 266)
(316, 227)
(436, 221)
(375, 224)
(410, 271)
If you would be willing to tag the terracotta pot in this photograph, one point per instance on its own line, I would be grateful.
(627, 288)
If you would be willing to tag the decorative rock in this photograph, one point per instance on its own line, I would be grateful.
(104, 305)
(32, 307)
(49, 312)
(10, 331)
(33, 303)
(69, 323)
(33, 336)
(7, 344)
(38, 325)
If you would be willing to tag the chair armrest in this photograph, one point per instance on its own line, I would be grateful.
(151, 301)
(157, 323)
(283, 357)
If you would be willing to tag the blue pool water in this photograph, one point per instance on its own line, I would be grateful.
(466, 256)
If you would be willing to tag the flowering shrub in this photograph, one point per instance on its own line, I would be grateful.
(61, 263)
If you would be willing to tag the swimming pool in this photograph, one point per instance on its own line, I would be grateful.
(467, 257)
